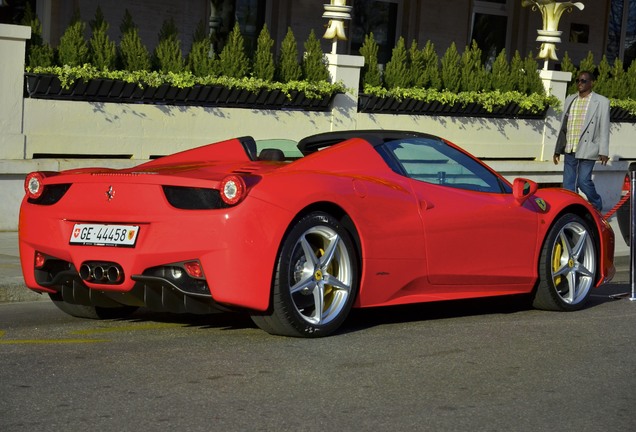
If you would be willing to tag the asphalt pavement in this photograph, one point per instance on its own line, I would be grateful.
(13, 289)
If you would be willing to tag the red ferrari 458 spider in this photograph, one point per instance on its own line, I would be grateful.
(357, 219)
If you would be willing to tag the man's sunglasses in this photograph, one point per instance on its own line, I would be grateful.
(582, 81)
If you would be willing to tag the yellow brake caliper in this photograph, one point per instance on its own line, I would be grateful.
(556, 261)
(328, 288)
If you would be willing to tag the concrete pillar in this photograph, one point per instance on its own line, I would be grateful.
(12, 52)
(555, 83)
(345, 69)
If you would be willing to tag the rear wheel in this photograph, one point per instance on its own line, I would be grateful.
(568, 265)
(316, 279)
(91, 312)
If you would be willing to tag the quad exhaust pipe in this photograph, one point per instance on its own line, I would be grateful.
(101, 273)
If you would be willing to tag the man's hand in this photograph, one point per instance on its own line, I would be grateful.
(556, 158)
(604, 159)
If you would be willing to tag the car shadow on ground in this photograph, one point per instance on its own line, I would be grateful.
(218, 321)
(360, 319)
(366, 318)
(433, 311)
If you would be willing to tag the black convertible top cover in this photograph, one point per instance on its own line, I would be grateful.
(376, 137)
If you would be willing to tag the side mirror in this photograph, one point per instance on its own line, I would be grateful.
(522, 189)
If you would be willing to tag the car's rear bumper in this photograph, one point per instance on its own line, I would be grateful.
(236, 248)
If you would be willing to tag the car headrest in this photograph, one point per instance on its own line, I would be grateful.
(271, 154)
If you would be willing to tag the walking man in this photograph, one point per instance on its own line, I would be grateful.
(583, 138)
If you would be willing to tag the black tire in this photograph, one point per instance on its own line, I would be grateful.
(568, 265)
(316, 279)
(91, 312)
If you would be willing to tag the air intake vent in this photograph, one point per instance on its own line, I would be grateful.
(187, 198)
(246, 170)
(51, 194)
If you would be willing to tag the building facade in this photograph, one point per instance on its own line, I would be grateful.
(603, 27)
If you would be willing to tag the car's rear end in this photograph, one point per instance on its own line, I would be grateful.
(164, 237)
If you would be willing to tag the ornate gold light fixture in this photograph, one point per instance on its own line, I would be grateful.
(549, 36)
(337, 13)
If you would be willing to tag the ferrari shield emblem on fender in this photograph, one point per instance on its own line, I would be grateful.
(542, 205)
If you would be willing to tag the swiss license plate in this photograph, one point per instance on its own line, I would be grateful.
(104, 235)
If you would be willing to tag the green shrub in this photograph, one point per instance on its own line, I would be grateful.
(450, 72)
(603, 78)
(473, 72)
(587, 64)
(314, 66)
(416, 65)
(38, 53)
(370, 72)
(233, 60)
(517, 73)
(568, 66)
(396, 73)
(617, 88)
(500, 78)
(167, 56)
(201, 57)
(73, 49)
(612, 81)
(525, 75)
(430, 75)
(288, 66)
(533, 79)
(41, 55)
(630, 80)
(102, 50)
(264, 64)
(132, 54)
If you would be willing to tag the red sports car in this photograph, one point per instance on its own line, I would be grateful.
(355, 219)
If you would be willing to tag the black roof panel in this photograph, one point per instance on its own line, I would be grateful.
(375, 137)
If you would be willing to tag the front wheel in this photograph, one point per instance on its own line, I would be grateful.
(316, 279)
(568, 265)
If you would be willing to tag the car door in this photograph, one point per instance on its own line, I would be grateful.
(477, 238)
(475, 232)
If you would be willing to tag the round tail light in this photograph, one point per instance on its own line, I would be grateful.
(232, 189)
(33, 185)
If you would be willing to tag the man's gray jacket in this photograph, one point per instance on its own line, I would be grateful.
(594, 139)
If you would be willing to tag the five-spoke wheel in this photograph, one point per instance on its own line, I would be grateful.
(316, 279)
(568, 265)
